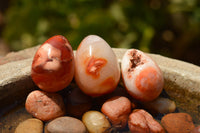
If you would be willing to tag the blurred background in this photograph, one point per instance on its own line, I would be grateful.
(167, 27)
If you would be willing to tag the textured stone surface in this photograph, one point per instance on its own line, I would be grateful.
(178, 123)
(45, 105)
(117, 109)
(141, 121)
(15, 81)
(20, 55)
(182, 80)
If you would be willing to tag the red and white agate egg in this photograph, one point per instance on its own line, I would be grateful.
(97, 71)
(142, 77)
(53, 64)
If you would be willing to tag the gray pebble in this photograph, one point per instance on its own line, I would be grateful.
(65, 125)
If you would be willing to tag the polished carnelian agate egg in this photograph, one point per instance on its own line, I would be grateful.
(97, 70)
(142, 77)
(53, 64)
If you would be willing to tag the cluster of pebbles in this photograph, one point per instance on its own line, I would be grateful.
(96, 101)
(81, 113)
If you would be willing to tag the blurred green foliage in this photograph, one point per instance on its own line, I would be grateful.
(160, 26)
(124, 23)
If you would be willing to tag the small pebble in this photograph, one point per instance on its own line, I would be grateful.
(177, 123)
(31, 125)
(96, 122)
(65, 125)
(117, 109)
(45, 106)
(161, 105)
(196, 129)
(141, 121)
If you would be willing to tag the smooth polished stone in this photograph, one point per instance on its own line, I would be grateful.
(65, 125)
(31, 125)
(97, 70)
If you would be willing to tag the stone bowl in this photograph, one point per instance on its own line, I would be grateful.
(182, 84)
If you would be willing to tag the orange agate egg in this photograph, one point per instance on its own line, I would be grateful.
(53, 64)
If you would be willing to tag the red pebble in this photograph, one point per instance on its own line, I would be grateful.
(44, 105)
(177, 123)
(53, 64)
(141, 121)
(117, 109)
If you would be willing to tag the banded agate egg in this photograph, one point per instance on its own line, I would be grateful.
(53, 64)
(142, 77)
(97, 70)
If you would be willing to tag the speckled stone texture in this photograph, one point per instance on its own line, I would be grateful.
(20, 55)
(182, 80)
